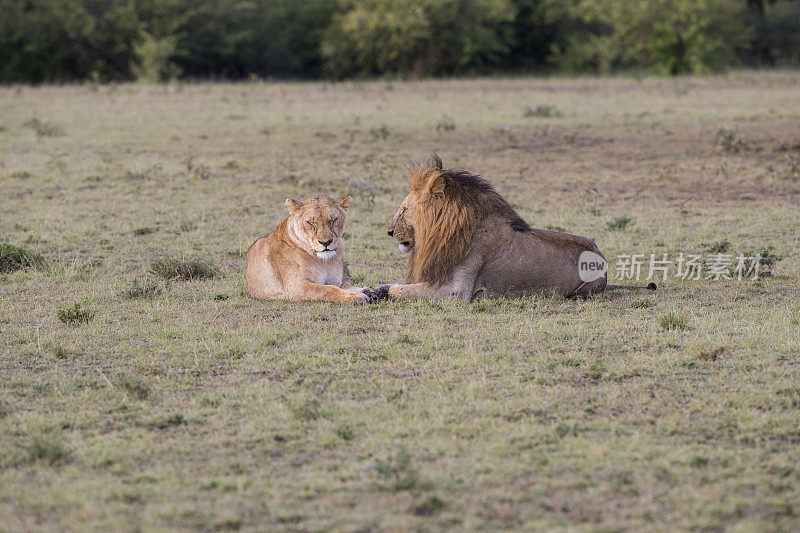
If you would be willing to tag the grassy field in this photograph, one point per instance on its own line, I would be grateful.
(183, 404)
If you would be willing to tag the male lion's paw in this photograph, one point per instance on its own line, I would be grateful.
(376, 293)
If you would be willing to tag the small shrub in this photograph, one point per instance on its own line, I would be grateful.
(711, 354)
(44, 129)
(642, 303)
(185, 269)
(345, 431)
(396, 473)
(673, 320)
(145, 290)
(47, 448)
(168, 421)
(563, 429)
(619, 223)
(13, 258)
(719, 247)
(21, 175)
(153, 56)
(61, 352)
(220, 297)
(187, 226)
(143, 231)
(380, 134)
(729, 141)
(200, 172)
(767, 261)
(136, 386)
(75, 314)
(430, 505)
(307, 410)
(542, 111)
(445, 124)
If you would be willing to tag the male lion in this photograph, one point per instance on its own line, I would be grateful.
(302, 259)
(466, 241)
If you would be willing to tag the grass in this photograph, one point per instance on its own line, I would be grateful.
(619, 223)
(673, 320)
(542, 111)
(185, 269)
(76, 314)
(184, 404)
(14, 258)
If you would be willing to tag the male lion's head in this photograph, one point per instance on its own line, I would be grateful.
(319, 221)
(439, 217)
(403, 232)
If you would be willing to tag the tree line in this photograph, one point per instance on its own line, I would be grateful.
(116, 40)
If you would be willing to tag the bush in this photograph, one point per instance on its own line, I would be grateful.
(619, 223)
(48, 449)
(663, 36)
(107, 40)
(411, 38)
(75, 314)
(673, 320)
(185, 269)
(153, 57)
(13, 258)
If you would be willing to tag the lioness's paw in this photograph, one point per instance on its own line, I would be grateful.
(359, 298)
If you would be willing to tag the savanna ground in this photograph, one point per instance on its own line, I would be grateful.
(183, 404)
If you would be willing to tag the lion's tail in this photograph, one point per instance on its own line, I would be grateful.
(649, 287)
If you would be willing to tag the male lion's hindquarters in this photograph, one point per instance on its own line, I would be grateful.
(302, 259)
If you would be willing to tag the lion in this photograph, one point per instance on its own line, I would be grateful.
(303, 258)
(466, 241)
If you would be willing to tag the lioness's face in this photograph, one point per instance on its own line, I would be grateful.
(320, 221)
(401, 227)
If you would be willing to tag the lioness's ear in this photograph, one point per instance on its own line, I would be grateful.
(345, 202)
(292, 206)
(437, 185)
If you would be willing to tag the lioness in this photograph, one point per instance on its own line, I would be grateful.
(466, 240)
(303, 258)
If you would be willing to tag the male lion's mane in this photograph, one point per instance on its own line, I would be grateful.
(445, 224)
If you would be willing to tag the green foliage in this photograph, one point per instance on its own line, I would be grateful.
(397, 472)
(185, 269)
(14, 258)
(777, 35)
(673, 320)
(75, 314)
(153, 56)
(156, 40)
(664, 36)
(445, 124)
(139, 291)
(136, 386)
(411, 38)
(542, 111)
(730, 141)
(47, 448)
(619, 223)
(44, 129)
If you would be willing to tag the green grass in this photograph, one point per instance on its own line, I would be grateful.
(185, 269)
(185, 405)
(14, 258)
(673, 320)
(75, 314)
